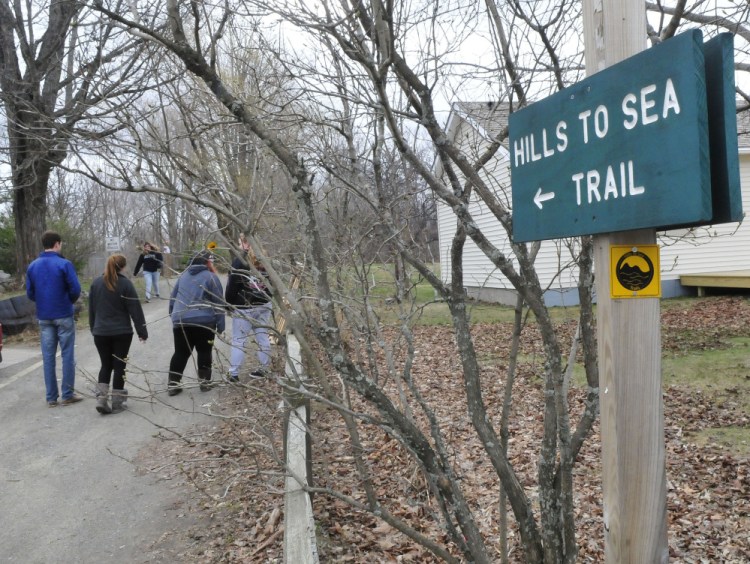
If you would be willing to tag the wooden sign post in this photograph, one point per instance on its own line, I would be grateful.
(629, 347)
(618, 155)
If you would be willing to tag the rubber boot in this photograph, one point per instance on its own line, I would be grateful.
(118, 399)
(102, 397)
(204, 375)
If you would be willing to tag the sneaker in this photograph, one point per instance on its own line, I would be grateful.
(148, 301)
(174, 388)
(259, 373)
(233, 378)
(206, 385)
(71, 400)
(52, 403)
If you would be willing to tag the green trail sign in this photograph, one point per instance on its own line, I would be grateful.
(726, 191)
(627, 148)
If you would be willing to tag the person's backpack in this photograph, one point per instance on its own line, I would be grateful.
(254, 290)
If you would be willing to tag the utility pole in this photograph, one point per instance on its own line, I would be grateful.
(629, 348)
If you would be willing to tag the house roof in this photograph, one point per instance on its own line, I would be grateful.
(491, 119)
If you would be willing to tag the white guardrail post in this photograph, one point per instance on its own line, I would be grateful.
(300, 546)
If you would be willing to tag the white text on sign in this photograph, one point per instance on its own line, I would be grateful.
(648, 106)
(614, 185)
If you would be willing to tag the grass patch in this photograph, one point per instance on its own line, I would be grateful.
(723, 376)
(723, 370)
(733, 439)
(434, 313)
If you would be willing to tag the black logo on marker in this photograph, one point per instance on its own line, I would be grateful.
(634, 271)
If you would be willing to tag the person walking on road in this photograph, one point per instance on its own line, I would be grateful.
(250, 297)
(113, 303)
(52, 283)
(151, 260)
(196, 308)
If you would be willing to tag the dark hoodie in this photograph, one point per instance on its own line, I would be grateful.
(244, 289)
(110, 312)
(150, 261)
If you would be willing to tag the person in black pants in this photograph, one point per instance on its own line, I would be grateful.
(196, 309)
(113, 303)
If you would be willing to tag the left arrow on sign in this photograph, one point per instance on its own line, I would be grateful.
(542, 197)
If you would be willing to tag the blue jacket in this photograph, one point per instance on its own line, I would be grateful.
(52, 283)
(198, 299)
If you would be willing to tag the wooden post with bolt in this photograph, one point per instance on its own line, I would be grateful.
(629, 347)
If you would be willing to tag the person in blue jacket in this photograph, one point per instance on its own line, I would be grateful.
(197, 312)
(52, 282)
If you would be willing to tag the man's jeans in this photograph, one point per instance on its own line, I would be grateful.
(62, 331)
(152, 279)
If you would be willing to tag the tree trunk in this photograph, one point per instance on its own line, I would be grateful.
(34, 153)
(30, 207)
(29, 95)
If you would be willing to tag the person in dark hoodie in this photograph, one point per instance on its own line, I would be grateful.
(113, 303)
(52, 282)
(196, 309)
(151, 260)
(249, 296)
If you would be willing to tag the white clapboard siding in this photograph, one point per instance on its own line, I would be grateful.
(718, 248)
(553, 257)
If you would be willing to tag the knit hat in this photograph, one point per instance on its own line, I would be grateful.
(202, 257)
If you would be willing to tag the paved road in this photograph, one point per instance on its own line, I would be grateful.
(69, 489)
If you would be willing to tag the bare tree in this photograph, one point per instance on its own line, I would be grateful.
(377, 93)
(61, 71)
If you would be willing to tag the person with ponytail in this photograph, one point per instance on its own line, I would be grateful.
(113, 304)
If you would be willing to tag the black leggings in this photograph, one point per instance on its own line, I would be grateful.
(187, 338)
(113, 349)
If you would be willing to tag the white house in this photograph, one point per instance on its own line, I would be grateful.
(711, 250)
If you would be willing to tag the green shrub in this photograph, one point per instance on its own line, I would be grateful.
(8, 244)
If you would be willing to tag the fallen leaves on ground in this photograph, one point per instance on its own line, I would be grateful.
(234, 467)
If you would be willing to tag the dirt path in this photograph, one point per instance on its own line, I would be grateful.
(70, 484)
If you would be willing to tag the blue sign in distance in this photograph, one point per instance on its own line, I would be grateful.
(625, 149)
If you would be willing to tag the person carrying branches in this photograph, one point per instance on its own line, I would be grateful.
(249, 296)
